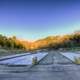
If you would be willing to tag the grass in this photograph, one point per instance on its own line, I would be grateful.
(77, 60)
(72, 49)
(4, 52)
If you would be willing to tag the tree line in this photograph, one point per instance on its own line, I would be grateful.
(10, 43)
(50, 42)
(56, 42)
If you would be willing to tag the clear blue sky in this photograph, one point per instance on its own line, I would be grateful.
(34, 19)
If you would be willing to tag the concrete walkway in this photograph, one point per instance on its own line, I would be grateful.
(52, 71)
(25, 59)
(71, 55)
(42, 72)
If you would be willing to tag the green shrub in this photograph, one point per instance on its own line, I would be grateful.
(34, 60)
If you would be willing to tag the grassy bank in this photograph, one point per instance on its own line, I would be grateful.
(70, 49)
(6, 52)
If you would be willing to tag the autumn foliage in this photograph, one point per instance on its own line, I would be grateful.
(50, 42)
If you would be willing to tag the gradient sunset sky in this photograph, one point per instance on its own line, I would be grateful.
(34, 19)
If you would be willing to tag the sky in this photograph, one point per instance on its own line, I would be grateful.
(35, 19)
